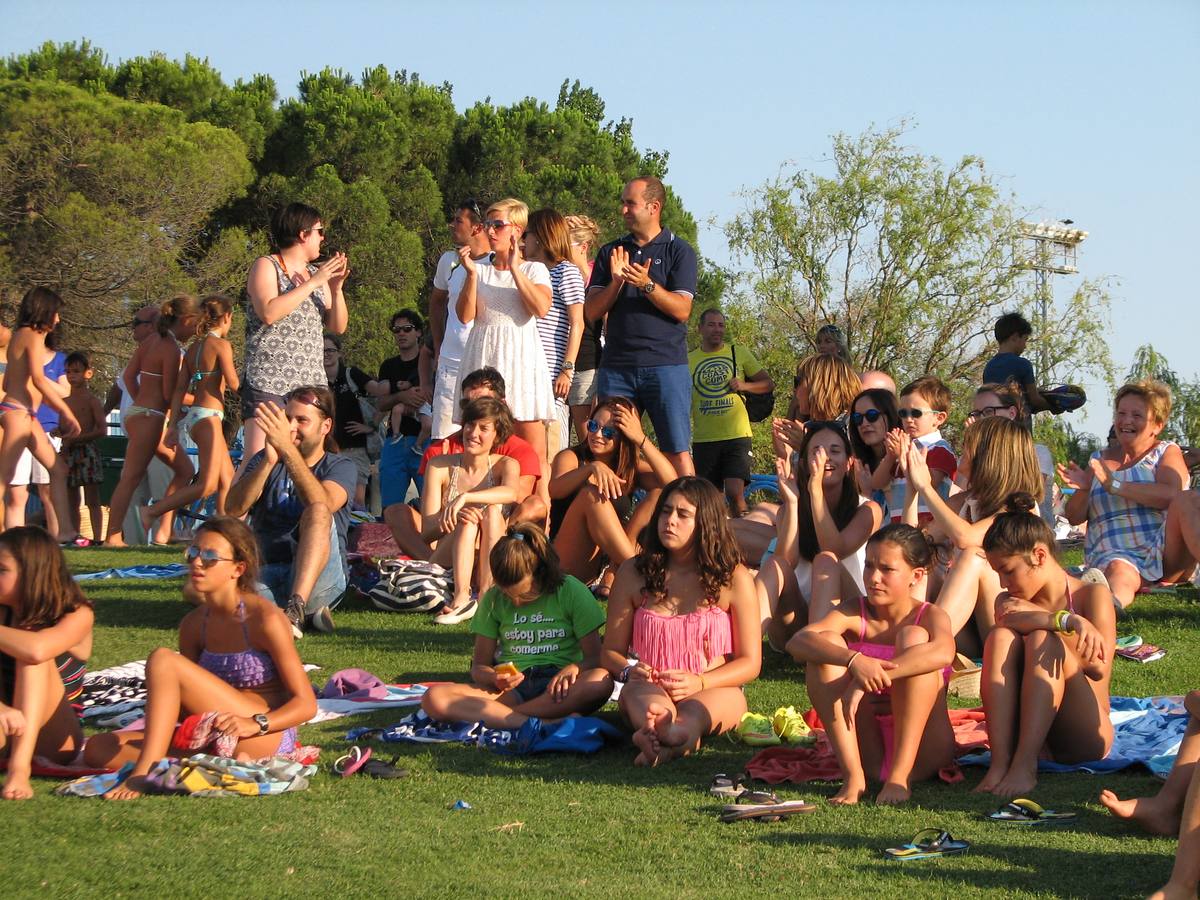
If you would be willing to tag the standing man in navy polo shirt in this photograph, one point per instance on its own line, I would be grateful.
(645, 283)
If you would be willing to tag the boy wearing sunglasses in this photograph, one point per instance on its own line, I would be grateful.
(924, 405)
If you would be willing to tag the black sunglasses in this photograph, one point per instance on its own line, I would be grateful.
(606, 431)
(871, 415)
(403, 329)
(208, 557)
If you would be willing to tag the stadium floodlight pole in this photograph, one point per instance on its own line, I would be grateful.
(1054, 250)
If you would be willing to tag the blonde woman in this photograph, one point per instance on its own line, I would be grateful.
(504, 300)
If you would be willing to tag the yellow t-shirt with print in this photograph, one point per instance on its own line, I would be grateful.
(718, 414)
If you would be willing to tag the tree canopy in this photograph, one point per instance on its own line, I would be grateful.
(121, 185)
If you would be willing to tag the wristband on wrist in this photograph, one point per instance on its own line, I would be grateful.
(1060, 622)
(643, 443)
(702, 685)
(853, 656)
(623, 676)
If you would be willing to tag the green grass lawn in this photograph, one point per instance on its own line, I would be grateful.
(559, 825)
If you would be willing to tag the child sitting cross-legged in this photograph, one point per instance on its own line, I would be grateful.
(880, 665)
(537, 642)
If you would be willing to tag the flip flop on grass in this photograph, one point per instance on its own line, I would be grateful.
(763, 806)
(353, 761)
(723, 785)
(1026, 812)
(942, 844)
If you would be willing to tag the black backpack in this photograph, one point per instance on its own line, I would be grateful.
(758, 406)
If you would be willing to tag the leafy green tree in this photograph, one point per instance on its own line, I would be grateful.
(107, 200)
(1183, 425)
(914, 259)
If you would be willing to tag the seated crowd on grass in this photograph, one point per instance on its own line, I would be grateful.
(615, 558)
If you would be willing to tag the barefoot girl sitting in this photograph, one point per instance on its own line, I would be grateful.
(822, 525)
(592, 515)
(25, 388)
(236, 658)
(537, 642)
(1048, 660)
(465, 503)
(45, 640)
(685, 607)
(877, 673)
(208, 369)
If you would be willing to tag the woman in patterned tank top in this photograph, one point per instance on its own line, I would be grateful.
(292, 302)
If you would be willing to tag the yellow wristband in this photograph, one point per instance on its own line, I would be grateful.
(702, 685)
(1060, 622)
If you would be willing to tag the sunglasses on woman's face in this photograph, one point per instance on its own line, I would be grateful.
(606, 431)
(207, 556)
(871, 415)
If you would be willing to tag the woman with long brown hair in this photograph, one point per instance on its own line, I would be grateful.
(685, 607)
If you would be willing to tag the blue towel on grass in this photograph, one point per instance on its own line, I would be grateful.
(1146, 730)
(171, 570)
(576, 734)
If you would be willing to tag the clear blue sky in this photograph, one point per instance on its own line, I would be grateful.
(1088, 110)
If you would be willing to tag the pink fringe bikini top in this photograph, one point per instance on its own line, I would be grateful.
(688, 642)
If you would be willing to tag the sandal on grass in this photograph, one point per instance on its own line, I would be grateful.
(377, 768)
(1026, 812)
(763, 806)
(941, 844)
(353, 761)
(723, 785)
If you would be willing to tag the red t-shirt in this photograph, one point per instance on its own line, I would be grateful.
(516, 447)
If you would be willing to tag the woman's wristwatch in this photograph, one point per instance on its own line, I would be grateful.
(264, 724)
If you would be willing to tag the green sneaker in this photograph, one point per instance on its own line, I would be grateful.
(755, 729)
(790, 726)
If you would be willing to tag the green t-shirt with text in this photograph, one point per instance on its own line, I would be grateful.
(545, 632)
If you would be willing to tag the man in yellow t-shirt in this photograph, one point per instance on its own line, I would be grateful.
(720, 427)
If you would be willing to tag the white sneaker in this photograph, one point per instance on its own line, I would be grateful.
(454, 616)
(322, 620)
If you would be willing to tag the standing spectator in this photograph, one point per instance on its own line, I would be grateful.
(503, 300)
(292, 302)
(351, 430)
(85, 470)
(296, 489)
(561, 330)
(29, 470)
(401, 396)
(583, 386)
(644, 282)
(721, 426)
(1009, 366)
(468, 231)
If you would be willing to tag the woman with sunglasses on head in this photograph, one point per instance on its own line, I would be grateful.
(821, 529)
(464, 505)
(592, 516)
(293, 301)
(504, 300)
(873, 417)
(155, 367)
(997, 460)
(685, 608)
(1007, 401)
(237, 680)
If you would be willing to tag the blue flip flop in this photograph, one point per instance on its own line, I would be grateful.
(942, 844)
(1026, 812)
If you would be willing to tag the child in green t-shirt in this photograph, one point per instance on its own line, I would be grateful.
(545, 625)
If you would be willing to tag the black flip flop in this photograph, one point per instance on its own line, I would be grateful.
(377, 768)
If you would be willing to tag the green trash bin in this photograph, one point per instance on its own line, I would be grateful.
(112, 453)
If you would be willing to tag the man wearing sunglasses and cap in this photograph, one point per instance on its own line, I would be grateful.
(296, 490)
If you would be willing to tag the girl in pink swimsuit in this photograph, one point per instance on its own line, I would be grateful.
(1048, 661)
(876, 672)
(686, 609)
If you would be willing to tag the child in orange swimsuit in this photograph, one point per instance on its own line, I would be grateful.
(877, 672)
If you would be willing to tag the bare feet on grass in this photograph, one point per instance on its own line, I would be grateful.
(852, 791)
(16, 787)
(1018, 782)
(129, 789)
(893, 793)
(1153, 815)
(661, 739)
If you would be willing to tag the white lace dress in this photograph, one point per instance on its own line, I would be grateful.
(505, 337)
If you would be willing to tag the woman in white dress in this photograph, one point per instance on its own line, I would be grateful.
(504, 300)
